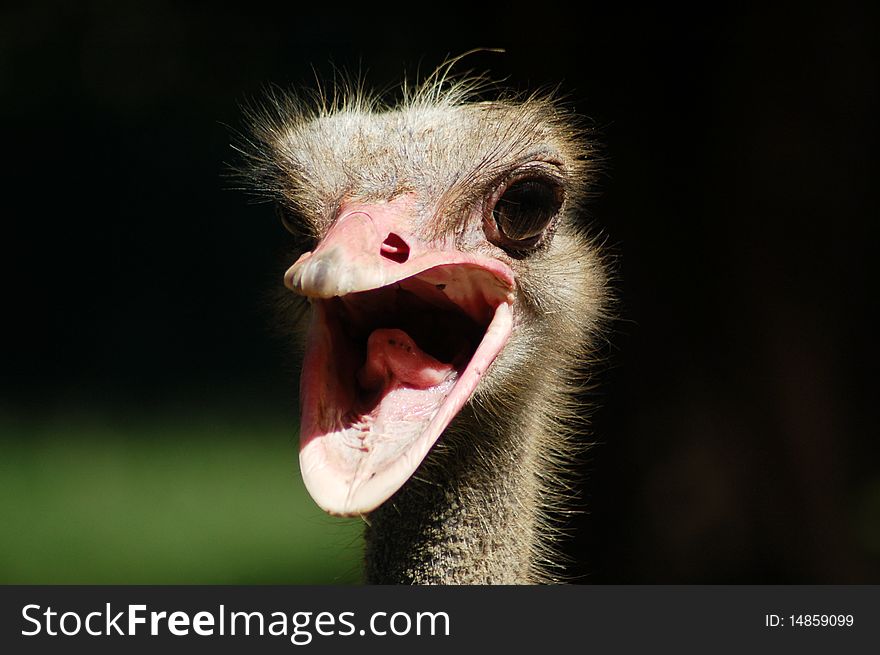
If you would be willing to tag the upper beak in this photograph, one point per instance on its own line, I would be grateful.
(375, 245)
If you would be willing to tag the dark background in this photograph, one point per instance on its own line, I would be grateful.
(735, 421)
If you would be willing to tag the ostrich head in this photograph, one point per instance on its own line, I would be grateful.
(451, 291)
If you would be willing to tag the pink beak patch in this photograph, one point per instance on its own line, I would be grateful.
(401, 333)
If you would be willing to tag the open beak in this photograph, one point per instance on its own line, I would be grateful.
(401, 332)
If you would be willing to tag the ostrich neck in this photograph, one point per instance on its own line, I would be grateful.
(468, 515)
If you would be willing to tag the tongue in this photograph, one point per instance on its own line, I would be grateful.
(394, 359)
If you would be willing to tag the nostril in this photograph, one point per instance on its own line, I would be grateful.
(395, 248)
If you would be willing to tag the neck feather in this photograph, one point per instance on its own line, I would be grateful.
(470, 515)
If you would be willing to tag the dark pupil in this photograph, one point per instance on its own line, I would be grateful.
(526, 208)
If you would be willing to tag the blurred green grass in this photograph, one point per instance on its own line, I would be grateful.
(173, 500)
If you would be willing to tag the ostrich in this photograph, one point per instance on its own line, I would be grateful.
(448, 301)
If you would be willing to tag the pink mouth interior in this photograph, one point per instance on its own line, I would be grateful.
(385, 372)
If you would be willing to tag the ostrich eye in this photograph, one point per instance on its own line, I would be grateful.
(525, 210)
(288, 220)
(302, 238)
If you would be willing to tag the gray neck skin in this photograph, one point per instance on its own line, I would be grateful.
(468, 515)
